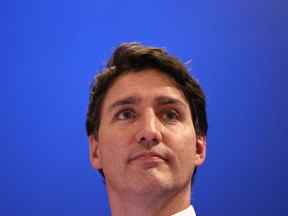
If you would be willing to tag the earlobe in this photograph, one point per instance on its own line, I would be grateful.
(200, 150)
(94, 152)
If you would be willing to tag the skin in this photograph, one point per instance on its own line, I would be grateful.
(136, 122)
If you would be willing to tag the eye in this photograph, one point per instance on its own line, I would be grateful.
(170, 115)
(126, 114)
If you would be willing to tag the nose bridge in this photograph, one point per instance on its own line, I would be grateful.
(149, 120)
(149, 130)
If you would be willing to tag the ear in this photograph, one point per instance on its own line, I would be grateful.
(200, 150)
(94, 152)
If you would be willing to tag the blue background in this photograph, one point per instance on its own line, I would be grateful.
(50, 51)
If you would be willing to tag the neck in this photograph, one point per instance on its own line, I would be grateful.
(152, 204)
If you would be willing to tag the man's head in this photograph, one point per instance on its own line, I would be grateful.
(145, 101)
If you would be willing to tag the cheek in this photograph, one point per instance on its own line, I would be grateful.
(118, 134)
(183, 146)
(113, 144)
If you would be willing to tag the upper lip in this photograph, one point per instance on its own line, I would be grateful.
(146, 154)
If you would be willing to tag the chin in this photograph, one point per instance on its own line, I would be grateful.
(152, 181)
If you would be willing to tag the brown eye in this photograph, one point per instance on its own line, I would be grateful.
(125, 115)
(170, 115)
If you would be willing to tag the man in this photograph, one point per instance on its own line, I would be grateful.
(147, 129)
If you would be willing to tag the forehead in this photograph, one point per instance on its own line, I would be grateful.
(147, 84)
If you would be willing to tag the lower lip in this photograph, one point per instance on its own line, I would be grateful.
(149, 157)
(149, 161)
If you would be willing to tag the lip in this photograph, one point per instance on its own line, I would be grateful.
(151, 156)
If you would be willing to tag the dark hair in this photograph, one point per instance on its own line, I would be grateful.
(135, 57)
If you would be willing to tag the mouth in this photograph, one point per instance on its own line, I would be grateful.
(147, 157)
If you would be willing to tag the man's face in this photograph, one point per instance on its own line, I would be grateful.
(146, 139)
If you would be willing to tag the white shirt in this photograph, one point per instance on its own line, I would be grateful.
(186, 212)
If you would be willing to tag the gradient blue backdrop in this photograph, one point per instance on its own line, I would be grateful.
(50, 51)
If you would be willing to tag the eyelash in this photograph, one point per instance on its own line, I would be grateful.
(171, 111)
(162, 113)
(123, 111)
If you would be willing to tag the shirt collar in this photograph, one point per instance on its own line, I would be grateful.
(186, 212)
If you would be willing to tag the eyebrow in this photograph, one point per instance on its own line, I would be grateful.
(133, 100)
(125, 101)
(165, 100)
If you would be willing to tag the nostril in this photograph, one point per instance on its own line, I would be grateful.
(148, 137)
(148, 143)
(155, 140)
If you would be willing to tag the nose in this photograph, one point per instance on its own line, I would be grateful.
(150, 130)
